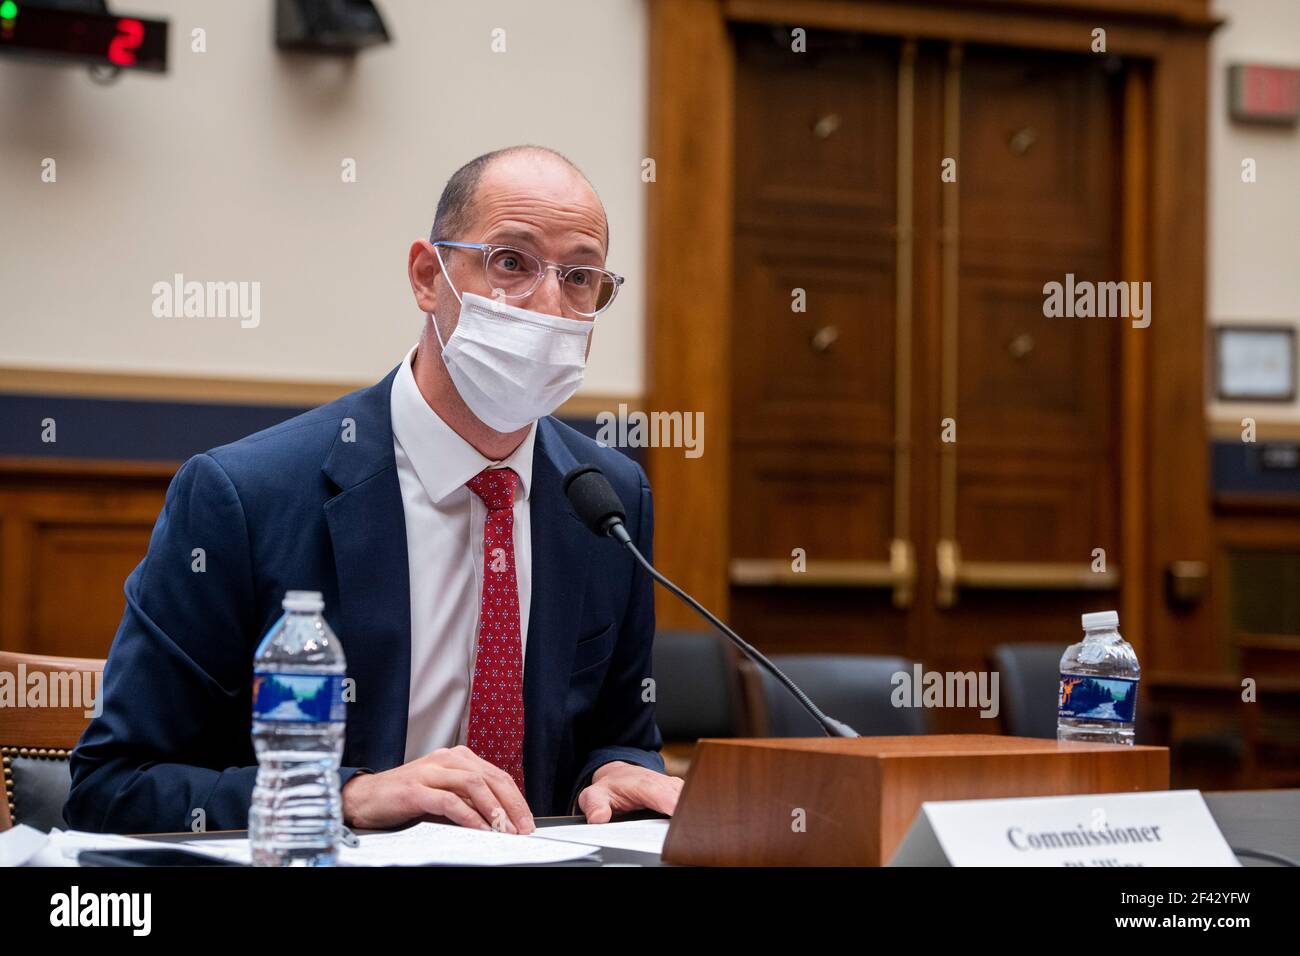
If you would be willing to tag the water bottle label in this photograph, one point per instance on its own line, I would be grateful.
(303, 698)
(1112, 699)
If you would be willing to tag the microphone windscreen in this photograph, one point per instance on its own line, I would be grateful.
(593, 498)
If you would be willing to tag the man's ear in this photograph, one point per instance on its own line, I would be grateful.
(422, 269)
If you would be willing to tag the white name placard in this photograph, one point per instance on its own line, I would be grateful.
(1156, 828)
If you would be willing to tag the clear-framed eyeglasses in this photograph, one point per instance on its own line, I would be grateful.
(514, 274)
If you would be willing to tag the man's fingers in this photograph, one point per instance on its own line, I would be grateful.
(661, 794)
(445, 803)
(474, 787)
(507, 793)
(623, 792)
(596, 802)
(462, 784)
(502, 784)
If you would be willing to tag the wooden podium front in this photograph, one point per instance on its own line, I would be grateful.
(745, 799)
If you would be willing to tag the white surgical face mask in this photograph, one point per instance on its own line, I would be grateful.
(513, 366)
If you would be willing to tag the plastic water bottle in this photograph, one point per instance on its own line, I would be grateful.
(1097, 703)
(296, 816)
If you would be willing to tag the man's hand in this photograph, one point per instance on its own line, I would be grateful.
(454, 783)
(619, 787)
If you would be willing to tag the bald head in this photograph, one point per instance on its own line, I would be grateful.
(512, 169)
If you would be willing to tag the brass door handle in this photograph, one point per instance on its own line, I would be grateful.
(898, 573)
(945, 561)
(955, 574)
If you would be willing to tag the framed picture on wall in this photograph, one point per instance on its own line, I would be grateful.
(1255, 363)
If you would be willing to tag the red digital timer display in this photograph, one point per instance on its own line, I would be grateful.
(131, 43)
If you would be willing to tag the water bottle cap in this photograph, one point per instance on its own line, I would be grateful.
(1100, 619)
(303, 601)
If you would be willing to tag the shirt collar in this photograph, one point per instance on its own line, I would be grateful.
(443, 461)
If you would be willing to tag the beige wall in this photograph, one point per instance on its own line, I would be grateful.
(1254, 229)
(228, 169)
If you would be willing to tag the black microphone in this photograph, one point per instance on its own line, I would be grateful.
(598, 507)
(596, 502)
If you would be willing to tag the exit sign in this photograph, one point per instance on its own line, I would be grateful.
(1264, 94)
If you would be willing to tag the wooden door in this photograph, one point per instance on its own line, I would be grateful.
(1022, 446)
(814, 342)
(923, 463)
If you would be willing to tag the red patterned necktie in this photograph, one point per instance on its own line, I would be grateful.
(496, 708)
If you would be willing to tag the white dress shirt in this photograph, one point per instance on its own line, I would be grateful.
(444, 547)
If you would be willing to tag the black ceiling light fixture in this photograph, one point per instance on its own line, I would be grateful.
(82, 32)
(328, 26)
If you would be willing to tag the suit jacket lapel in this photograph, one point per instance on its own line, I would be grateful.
(560, 555)
(367, 526)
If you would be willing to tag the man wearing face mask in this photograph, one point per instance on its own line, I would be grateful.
(500, 652)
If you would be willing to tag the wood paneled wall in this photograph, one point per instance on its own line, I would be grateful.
(70, 533)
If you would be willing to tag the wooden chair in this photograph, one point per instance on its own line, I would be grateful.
(57, 695)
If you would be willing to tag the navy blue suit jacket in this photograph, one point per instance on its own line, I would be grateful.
(299, 506)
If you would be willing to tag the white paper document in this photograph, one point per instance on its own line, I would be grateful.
(21, 844)
(646, 836)
(60, 847)
(428, 844)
